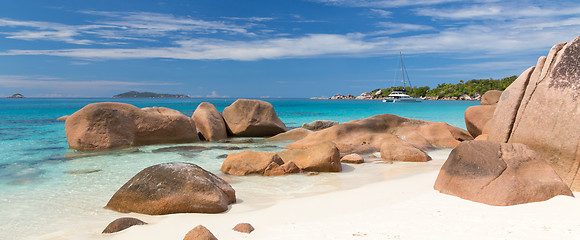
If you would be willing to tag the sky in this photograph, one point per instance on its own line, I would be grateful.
(270, 48)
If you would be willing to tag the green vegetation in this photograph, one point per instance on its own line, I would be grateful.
(471, 88)
(133, 94)
(17, 95)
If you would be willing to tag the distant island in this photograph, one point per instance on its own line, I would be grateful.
(470, 90)
(17, 95)
(134, 94)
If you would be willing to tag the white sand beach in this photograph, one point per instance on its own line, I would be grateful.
(406, 207)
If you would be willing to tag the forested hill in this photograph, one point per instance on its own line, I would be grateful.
(470, 90)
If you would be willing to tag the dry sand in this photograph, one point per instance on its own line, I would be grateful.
(403, 208)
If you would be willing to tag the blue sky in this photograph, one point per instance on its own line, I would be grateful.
(302, 48)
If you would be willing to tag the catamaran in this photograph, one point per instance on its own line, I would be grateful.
(399, 95)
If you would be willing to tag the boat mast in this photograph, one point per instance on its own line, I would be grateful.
(404, 70)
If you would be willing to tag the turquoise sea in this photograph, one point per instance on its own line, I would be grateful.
(48, 191)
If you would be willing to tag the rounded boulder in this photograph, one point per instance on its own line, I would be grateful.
(173, 188)
(252, 118)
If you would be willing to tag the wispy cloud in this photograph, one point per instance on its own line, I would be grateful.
(195, 49)
(394, 28)
(23, 81)
(381, 13)
(498, 11)
(132, 26)
(383, 3)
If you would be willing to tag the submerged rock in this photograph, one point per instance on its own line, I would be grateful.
(173, 188)
(319, 125)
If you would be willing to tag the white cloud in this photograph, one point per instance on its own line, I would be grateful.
(381, 13)
(393, 28)
(34, 82)
(497, 11)
(195, 49)
(135, 26)
(383, 3)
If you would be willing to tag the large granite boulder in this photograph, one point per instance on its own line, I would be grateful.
(292, 135)
(252, 118)
(116, 125)
(319, 125)
(477, 118)
(490, 97)
(367, 135)
(322, 157)
(249, 162)
(399, 150)
(210, 122)
(547, 115)
(173, 188)
(499, 174)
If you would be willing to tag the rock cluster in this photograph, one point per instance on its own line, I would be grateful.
(397, 138)
(110, 125)
(532, 138)
(477, 118)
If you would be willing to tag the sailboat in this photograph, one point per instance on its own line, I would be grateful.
(399, 95)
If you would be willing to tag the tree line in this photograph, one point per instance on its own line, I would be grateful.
(472, 88)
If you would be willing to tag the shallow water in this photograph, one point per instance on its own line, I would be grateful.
(51, 192)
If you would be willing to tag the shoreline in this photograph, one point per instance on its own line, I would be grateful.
(406, 207)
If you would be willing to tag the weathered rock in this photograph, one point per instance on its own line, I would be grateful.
(397, 149)
(62, 118)
(210, 122)
(275, 169)
(476, 117)
(547, 115)
(249, 162)
(117, 125)
(352, 158)
(173, 188)
(507, 108)
(252, 118)
(121, 224)
(322, 157)
(292, 135)
(199, 233)
(367, 135)
(498, 174)
(491, 97)
(244, 228)
(319, 125)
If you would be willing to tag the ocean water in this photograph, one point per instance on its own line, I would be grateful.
(48, 191)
